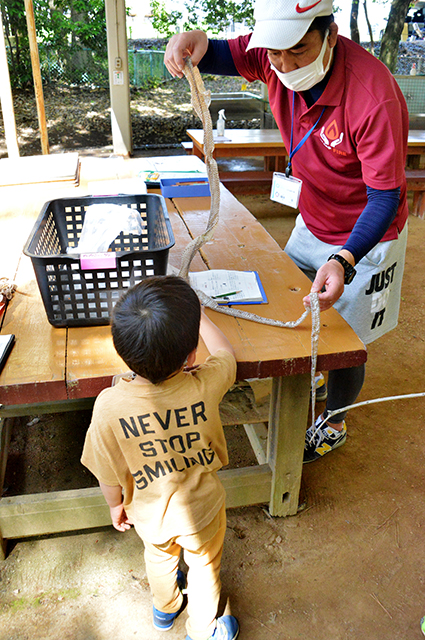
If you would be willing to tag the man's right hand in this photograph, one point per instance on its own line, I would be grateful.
(182, 45)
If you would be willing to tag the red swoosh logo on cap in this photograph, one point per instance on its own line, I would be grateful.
(299, 9)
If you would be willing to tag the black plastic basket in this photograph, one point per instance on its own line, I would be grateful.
(75, 297)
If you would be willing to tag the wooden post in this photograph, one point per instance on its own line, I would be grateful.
(287, 426)
(38, 86)
(6, 100)
(119, 85)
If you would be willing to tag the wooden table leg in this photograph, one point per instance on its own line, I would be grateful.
(287, 426)
(269, 163)
(6, 425)
(197, 152)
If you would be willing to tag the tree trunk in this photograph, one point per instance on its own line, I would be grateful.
(354, 27)
(393, 31)
(369, 26)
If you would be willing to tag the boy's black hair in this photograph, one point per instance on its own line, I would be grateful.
(155, 326)
(321, 23)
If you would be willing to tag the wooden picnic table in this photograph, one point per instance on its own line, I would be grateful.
(52, 369)
(239, 143)
(268, 142)
(415, 147)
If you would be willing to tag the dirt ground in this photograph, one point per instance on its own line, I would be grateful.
(350, 565)
(79, 117)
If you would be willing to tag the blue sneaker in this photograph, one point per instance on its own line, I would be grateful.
(227, 629)
(165, 621)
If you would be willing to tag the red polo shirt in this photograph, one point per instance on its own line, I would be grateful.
(361, 138)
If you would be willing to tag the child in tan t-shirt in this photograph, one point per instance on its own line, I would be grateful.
(155, 444)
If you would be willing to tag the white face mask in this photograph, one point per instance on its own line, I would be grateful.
(306, 77)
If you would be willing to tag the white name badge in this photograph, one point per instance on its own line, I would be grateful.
(286, 190)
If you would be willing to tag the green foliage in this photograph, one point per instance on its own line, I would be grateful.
(64, 22)
(16, 36)
(64, 29)
(163, 21)
(218, 15)
(214, 16)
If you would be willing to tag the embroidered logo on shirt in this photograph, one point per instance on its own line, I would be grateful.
(299, 9)
(331, 137)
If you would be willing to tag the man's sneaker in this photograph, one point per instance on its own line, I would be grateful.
(165, 621)
(324, 440)
(321, 388)
(227, 629)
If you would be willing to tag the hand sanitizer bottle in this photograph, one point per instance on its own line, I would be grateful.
(220, 123)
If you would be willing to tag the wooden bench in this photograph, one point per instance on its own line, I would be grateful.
(187, 146)
(247, 182)
(268, 143)
(416, 182)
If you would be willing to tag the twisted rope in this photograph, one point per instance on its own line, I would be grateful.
(7, 289)
(200, 99)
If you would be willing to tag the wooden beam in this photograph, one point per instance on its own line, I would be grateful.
(257, 435)
(119, 84)
(7, 100)
(45, 513)
(42, 408)
(247, 485)
(38, 85)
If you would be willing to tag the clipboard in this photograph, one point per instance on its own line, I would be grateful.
(262, 292)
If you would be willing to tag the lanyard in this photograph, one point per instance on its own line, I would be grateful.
(288, 170)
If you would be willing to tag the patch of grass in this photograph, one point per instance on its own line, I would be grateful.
(69, 594)
(19, 604)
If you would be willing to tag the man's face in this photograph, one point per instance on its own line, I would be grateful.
(303, 53)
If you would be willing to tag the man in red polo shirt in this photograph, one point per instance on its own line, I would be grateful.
(344, 121)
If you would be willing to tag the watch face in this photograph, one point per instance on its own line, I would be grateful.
(349, 275)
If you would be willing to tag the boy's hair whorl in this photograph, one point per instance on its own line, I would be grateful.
(155, 326)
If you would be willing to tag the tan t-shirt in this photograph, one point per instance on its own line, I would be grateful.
(163, 444)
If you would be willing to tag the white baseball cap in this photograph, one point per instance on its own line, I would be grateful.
(280, 24)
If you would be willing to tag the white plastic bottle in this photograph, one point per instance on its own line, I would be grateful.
(220, 123)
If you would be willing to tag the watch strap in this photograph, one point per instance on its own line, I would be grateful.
(349, 270)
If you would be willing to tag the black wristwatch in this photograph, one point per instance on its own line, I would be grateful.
(349, 270)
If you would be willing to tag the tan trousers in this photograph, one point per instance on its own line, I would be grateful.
(202, 553)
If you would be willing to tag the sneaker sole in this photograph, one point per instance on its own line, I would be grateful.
(158, 628)
(340, 443)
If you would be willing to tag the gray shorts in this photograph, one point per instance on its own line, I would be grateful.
(371, 303)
